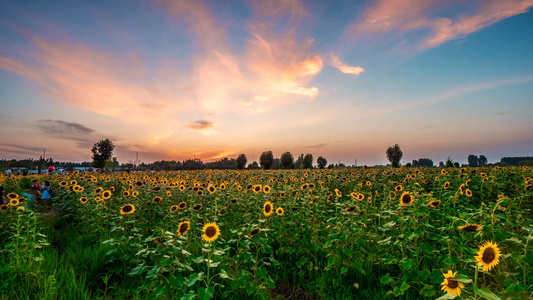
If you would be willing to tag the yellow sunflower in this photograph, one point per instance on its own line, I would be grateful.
(360, 197)
(182, 205)
(279, 211)
(4, 207)
(470, 227)
(450, 286)
(398, 188)
(197, 207)
(468, 193)
(212, 189)
(267, 208)
(211, 232)
(173, 208)
(257, 188)
(434, 203)
(127, 209)
(83, 200)
(14, 202)
(184, 227)
(254, 232)
(199, 192)
(446, 185)
(338, 193)
(157, 199)
(169, 194)
(266, 189)
(12, 196)
(134, 194)
(488, 256)
(350, 209)
(98, 190)
(406, 199)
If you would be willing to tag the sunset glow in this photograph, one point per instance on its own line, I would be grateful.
(174, 80)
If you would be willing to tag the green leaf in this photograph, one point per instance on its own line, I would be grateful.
(204, 293)
(486, 293)
(385, 279)
(191, 295)
(111, 251)
(262, 273)
(185, 252)
(224, 274)
(436, 277)
(451, 260)
(198, 259)
(270, 282)
(408, 263)
(344, 270)
(427, 291)
(359, 266)
(137, 270)
(219, 252)
(405, 286)
(176, 281)
(462, 278)
(446, 297)
(214, 264)
(389, 260)
(193, 278)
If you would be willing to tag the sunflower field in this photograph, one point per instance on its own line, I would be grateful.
(350, 233)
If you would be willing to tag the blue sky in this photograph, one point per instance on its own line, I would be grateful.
(213, 79)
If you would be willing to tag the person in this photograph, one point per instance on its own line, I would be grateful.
(36, 185)
(25, 172)
(45, 189)
(8, 172)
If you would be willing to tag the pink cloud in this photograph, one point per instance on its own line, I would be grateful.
(402, 16)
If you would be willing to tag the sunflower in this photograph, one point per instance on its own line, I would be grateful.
(157, 199)
(199, 192)
(126, 193)
(12, 196)
(14, 202)
(304, 186)
(98, 190)
(279, 211)
(406, 199)
(212, 189)
(182, 187)
(112, 189)
(392, 195)
(488, 255)
(83, 200)
(434, 203)
(127, 209)
(353, 195)
(338, 193)
(350, 209)
(282, 194)
(21, 208)
(197, 207)
(462, 188)
(182, 205)
(73, 182)
(233, 201)
(398, 188)
(63, 183)
(169, 194)
(360, 197)
(450, 286)
(184, 227)
(267, 208)
(470, 227)
(4, 207)
(266, 189)
(257, 188)
(211, 232)
(468, 193)
(134, 194)
(173, 208)
(446, 185)
(254, 232)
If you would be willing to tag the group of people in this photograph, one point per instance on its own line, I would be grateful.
(42, 189)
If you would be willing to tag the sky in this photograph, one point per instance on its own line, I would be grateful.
(173, 80)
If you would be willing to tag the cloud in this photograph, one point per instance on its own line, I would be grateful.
(62, 127)
(336, 62)
(402, 16)
(201, 125)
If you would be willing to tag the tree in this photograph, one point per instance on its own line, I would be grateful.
(102, 151)
(321, 162)
(423, 162)
(482, 160)
(394, 155)
(449, 163)
(241, 161)
(298, 162)
(307, 162)
(286, 161)
(473, 161)
(266, 160)
(253, 166)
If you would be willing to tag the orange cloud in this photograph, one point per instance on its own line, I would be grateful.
(406, 15)
(201, 124)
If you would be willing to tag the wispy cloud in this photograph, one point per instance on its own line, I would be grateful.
(62, 127)
(201, 124)
(402, 16)
(336, 62)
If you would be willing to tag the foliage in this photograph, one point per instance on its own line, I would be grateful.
(515, 161)
(321, 162)
(266, 160)
(241, 161)
(394, 155)
(307, 162)
(286, 161)
(473, 161)
(423, 162)
(102, 151)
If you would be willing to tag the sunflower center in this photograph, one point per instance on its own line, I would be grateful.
(210, 231)
(182, 205)
(268, 208)
(470, 228)
(406, 199)
(452, 284)
(184, 227)
(488, 255)
(127, 208)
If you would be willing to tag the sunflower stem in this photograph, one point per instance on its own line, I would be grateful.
(475, 282)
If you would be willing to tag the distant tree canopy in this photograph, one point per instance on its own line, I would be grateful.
(423, 162)
(516, 161)
(298, 162)
(266, 160)
(321, 162)
(475, 161)
(286, 161)
(253, 166)
(394, 155)
(241, 161)
(102, 151)
(307, 162)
